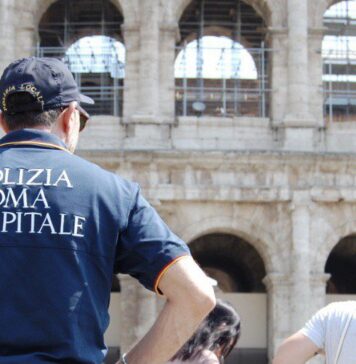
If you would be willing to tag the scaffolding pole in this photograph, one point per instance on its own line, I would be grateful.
(263, 87)
(185, 83)
(236, 56)
(200, 55)
(348, 60)
(331, 108)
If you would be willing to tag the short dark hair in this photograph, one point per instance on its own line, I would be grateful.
(29, 119)
(221, 328)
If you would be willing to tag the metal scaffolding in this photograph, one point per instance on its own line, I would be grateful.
(226, 95)
(339, 62)
(86, 35)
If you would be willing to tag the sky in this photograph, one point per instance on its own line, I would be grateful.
(97, 54)
(222, 58)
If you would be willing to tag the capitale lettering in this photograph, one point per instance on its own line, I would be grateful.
(42, 223)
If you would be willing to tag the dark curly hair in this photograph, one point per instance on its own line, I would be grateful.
(221, 328)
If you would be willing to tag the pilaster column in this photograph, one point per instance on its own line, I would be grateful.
(316, 74)
(25, 30)
(318, 290)
(146, 311)
(8, 33)
(277, 285)
(131, 33)
(128, 312)
(169, 31)
(148, 102)
(279, 77)
(300, 260)
(298, 90)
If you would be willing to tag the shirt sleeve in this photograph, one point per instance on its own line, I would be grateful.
(315, 328)
(147, 247)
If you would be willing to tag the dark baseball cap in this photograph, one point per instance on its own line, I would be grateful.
(47, 80)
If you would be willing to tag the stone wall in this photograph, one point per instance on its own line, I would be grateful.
(292, 207)
(286, 184)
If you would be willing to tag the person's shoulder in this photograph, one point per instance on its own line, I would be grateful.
(340, 306)
(335, 311)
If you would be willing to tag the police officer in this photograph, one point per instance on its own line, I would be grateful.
(67, 225)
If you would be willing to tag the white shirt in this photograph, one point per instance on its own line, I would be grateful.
(326, 327)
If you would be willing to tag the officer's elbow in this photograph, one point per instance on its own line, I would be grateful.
(187, 288)
(203, 300)
(209, 300)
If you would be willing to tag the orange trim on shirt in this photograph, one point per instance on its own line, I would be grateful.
(41, 144)
(164, 270)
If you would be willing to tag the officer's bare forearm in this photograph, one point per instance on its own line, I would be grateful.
(171, 330)
(189, 299)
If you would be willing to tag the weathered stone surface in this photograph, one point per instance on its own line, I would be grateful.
(286, 184)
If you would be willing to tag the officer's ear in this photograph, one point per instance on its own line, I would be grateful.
(3, 123)
(68, 120)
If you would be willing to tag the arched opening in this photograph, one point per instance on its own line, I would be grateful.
(87, 36)
(341, 264)
(238, 269)
(339, 62)
(222, 60)
(231, 261)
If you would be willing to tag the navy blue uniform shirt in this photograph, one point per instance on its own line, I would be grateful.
(65, 226)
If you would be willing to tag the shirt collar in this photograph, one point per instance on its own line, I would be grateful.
(32, 137)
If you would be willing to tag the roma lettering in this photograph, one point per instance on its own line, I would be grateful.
(23, 198)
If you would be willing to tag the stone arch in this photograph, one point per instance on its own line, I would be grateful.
(94, 67)
(261, 6)
(319, 10)
(129, 10)
(328, 3)
(56, 9)
(333, 236)
(240, 22)
(256, 235)
(44, 5)
(232, 261)
(259, 238)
